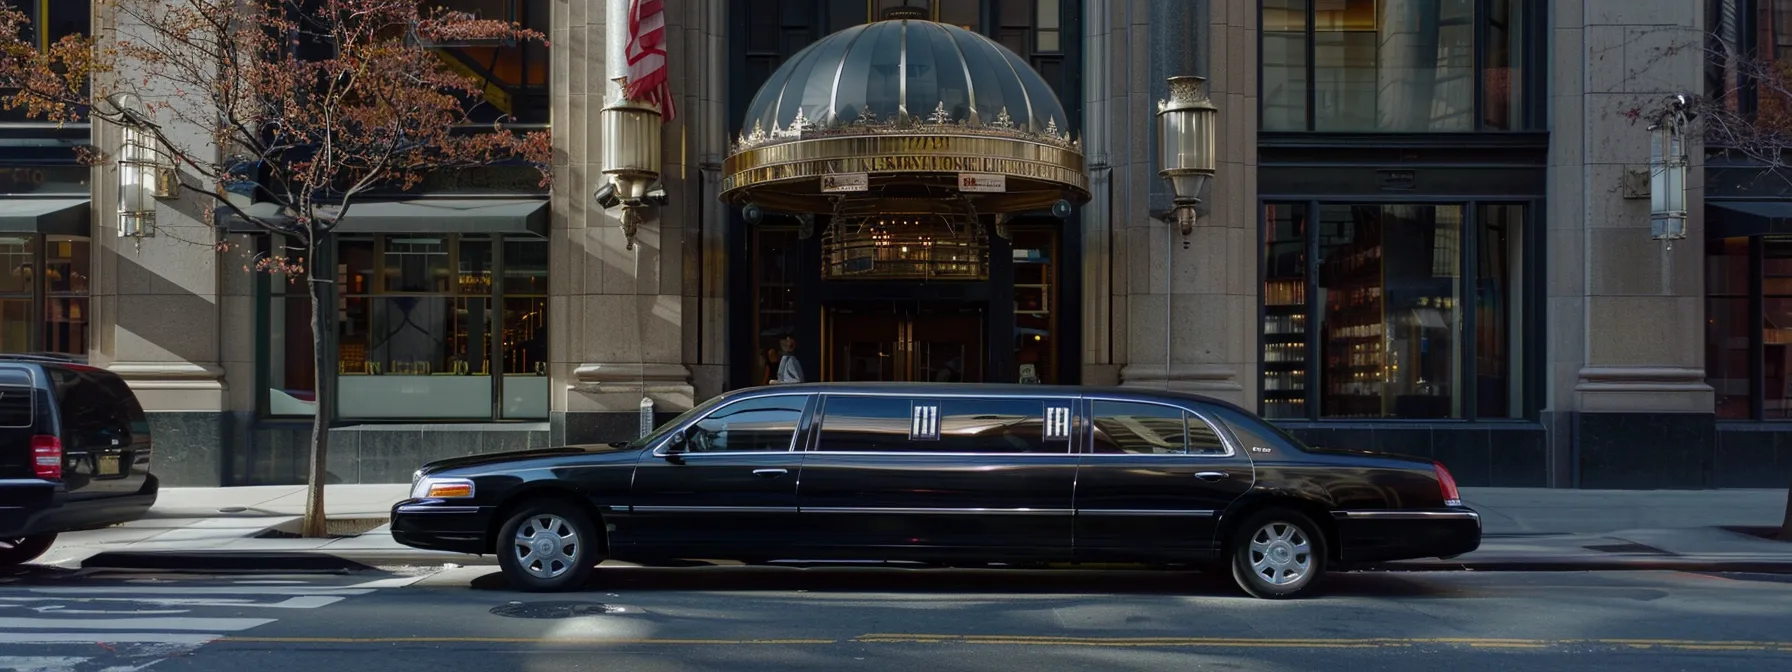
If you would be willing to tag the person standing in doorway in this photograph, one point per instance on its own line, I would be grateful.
(789, 370)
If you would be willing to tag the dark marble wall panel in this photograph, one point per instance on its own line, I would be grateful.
(1751, 455)
(1518, 457)
(189, 448)
(591, 428)
(1646, 450)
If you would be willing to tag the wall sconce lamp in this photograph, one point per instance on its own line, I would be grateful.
(1186, 125)
(145, 171)
(1667, 171)
(631, 151)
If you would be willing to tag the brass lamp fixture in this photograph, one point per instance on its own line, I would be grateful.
(1667, 172)
(145, 171)
(631, 155)
(1186, 126)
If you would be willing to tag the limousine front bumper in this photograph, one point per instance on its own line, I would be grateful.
(1385, 535)
(436, 525)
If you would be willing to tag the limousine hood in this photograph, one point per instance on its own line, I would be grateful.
(516, 456)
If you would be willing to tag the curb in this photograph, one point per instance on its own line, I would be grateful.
(1558, 564)
(222, 561)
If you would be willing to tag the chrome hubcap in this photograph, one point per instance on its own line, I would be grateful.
(1280, 553)
(546, 546)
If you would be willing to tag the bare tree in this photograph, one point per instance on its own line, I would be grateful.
(307, 105)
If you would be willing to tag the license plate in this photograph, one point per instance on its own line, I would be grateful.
(107, 465)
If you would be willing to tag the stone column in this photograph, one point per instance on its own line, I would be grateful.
(617, 314)
(158, 305)
(1187, 302)
(1625, 313)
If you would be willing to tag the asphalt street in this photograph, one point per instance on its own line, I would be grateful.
(749, 619)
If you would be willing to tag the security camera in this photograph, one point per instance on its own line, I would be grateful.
(752, 213)
(606, 196)
(657, 195)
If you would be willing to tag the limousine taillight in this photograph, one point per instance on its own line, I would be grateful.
(1452, 496)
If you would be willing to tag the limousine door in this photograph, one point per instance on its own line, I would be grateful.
(731, 491)
(940, 477)
(1153, 482)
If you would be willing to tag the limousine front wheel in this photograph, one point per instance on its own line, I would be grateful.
(548, 546)
(1277, 553)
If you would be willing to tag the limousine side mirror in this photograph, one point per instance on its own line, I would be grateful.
(676, 445)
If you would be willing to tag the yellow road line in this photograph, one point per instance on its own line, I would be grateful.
(1050, 640)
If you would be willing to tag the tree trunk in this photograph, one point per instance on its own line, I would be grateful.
(1786, 523)
(316, 275)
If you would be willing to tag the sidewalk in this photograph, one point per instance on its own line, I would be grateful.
(1524, 529)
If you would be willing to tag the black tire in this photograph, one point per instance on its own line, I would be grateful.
(524, 567)
(1282, 530)
(20, 550)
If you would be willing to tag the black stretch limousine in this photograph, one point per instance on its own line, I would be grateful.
(947, 474)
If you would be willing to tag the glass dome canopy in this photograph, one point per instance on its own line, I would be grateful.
(910, 105)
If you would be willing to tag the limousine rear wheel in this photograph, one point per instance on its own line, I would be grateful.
(1277, 553)
(548, 546)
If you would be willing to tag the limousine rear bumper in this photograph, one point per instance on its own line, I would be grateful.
(1386, 535)
(434, 525)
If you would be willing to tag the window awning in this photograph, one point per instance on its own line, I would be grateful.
(1734, 219)
(431, 215)
(50, 216)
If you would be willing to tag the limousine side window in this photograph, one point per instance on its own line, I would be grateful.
(939, 425)
(751, 425)
(1151, 429)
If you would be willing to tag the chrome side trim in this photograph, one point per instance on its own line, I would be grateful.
(1154, 513)
(929, 453)
(712, 509)
(934, 511)
(426, 508)
(1408, 515)
(26, 482)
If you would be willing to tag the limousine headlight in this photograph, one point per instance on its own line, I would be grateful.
(442, 488)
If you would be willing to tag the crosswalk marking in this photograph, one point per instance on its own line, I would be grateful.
(141, 624)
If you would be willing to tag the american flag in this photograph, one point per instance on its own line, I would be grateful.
(647, 56)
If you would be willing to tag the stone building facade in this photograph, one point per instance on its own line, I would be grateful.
(1423, 237)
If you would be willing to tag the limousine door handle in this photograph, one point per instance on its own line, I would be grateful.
(1210, 475)
(770, 473)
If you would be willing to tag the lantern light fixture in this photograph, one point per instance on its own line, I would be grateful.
(631, 160)
(1668, 165)
(145, 172)
(1186, 128)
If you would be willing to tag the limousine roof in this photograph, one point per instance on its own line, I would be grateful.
(984, 389)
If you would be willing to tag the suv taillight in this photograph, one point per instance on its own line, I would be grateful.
(46, 457)
(1452, 496)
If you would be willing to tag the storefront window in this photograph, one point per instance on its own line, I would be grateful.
(419, 332)
(43, 294)
(515, 75)
(1392, 65)
(1285, 310)
(1776, 329)
(1499, 324)
(525, 329)
(1380, 330)
(48, 22)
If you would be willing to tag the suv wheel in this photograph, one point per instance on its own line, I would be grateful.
(1277, 553)
(548, 546)
(20, 550)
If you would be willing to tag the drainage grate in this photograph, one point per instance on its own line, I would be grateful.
(555, 609)
(1627, 547)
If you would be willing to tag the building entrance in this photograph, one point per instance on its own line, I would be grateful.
(904, 341)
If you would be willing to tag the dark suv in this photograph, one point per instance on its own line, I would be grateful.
(74, 453)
